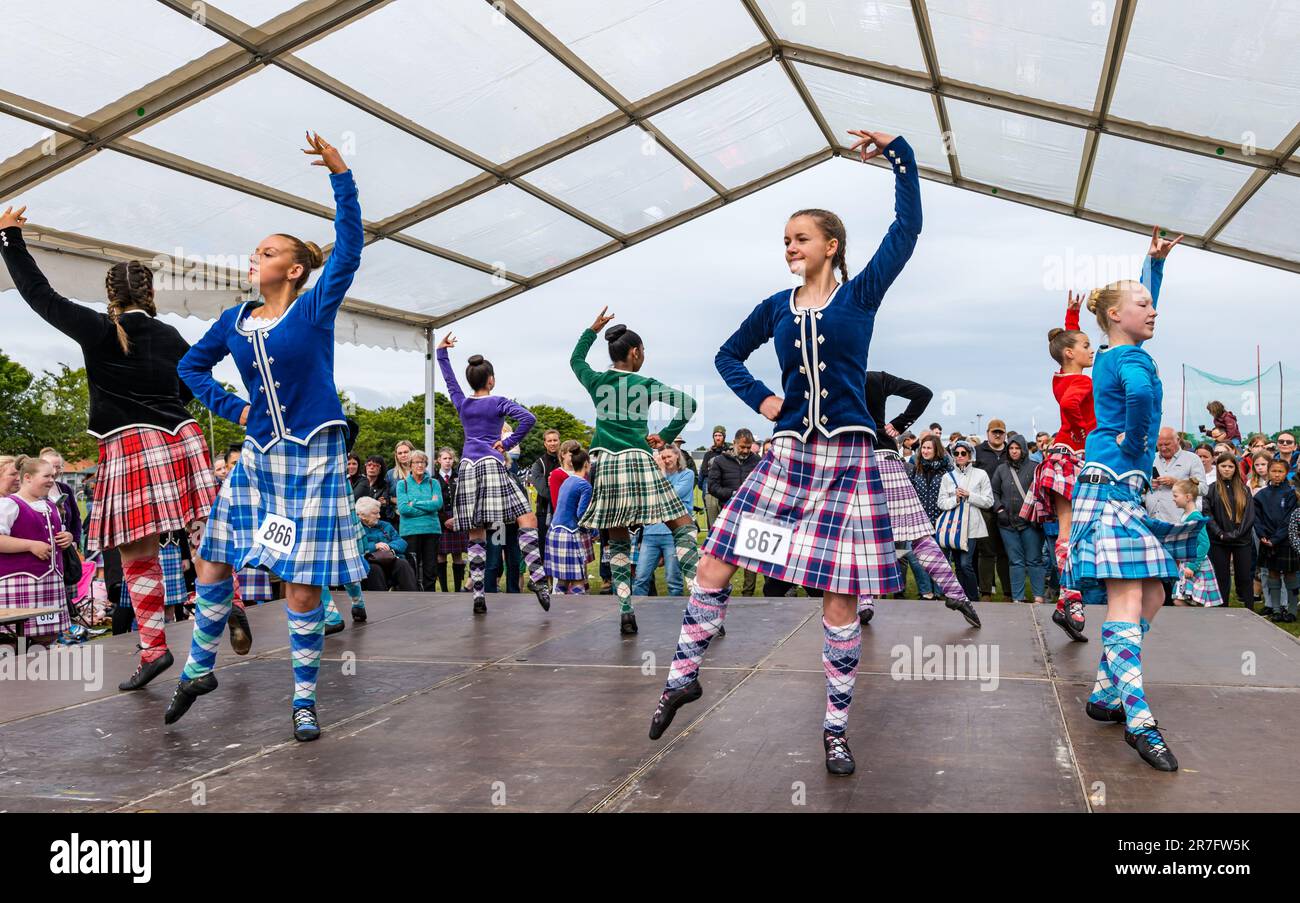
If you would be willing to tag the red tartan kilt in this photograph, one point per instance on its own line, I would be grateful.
(1056, 473)
(150, 482)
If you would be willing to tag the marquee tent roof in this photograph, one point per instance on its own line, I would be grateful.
(500, 145)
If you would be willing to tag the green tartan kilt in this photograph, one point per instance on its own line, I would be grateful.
(627, 490)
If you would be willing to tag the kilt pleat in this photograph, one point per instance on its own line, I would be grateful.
(567, 554)
(628, 490)
(907, 516)
(306, 484)
(149, 482)
(24, 591)
(486, 494)
(830, 493)
(1056, 473)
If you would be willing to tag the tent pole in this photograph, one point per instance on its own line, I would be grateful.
(1182, 417)
(428, 395)
(1259, 390)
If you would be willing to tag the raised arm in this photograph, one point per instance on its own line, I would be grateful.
(578, 360)
(195, 370)
(81, 324)
(731, 357)
(868, 288)
(323, 300)
(449, 377)
(1072, 305)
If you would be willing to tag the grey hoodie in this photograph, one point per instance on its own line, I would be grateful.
(1007, 497)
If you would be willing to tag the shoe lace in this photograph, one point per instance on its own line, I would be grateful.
(304, 717)
(1076, 610)
(837, 747)
(1152, 735)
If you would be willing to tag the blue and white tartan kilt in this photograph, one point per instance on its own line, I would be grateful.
(1112, 537)
(566, 554)
(830, 493)
(486, 494)
(175, 592)
(254, 585)
(306, 484)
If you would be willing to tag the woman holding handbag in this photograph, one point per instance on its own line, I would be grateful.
(959, 525)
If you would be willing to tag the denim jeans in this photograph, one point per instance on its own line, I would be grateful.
(1025, 549)
(652, 545)
(924, 585)
(965, 566)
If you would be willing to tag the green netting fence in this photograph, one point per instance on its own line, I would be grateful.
(1266, 401)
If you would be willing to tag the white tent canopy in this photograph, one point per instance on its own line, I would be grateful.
(502, 144)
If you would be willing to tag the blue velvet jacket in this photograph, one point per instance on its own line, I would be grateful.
(288, 369)
(823, 351)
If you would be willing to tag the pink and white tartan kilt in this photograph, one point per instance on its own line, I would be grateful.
(1057, 472)
(830, 493)
(907, 516)
(22, 591)
(149, 482)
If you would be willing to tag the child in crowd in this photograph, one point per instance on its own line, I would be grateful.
(1196, 584)
(1280, 563)
(567, 551)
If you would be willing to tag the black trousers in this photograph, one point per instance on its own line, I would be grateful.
(1234, 561)
(424, 547)
(400, 576)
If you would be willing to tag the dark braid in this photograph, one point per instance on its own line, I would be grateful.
(129, 286)
(832, 227)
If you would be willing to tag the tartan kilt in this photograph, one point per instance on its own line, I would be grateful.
(23, 591)
(306, 484)
(830, 492)
(453, 542)
(149, 482)
(907, 516)
(1057, 472)
(486, 494)
(566, 554)
(1202, 588)
(175, 592)
(627, 490)
(254, 585)
(1112, 537)
(1281, 558)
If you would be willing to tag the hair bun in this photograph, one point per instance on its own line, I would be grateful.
(614, 333)
(1053, 333)
(475, 360)
(1094, 298)
(314, 253)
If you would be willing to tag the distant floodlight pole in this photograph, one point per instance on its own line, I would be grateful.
(1259, 392)
(428, 394)
(978, 419)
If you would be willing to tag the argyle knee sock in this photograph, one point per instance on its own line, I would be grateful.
(529, 545)
(1122, 645)
(478, 569)
(1067, 596)
(936, 566)
(701, 622)
(332, 615)
(1104, 691)
(620, 570)
(354, 593)
(212, 606)
(865, 602)
(840, 656)
(144, 580)
(306, 640)
(577, 589)
(687, 551)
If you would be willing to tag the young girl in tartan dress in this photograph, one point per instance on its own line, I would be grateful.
(1055, 475)
(1119, 553)
(286, 506)
(154, 471)
(568, 548)
(32, 539)
(813, 512)
(627, 489)
(1196, 584)
(485, 492)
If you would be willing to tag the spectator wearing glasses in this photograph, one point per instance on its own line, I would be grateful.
(993, 558)
(968, 484)
(1287, 451)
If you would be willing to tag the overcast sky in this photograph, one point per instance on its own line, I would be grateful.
(967, 317)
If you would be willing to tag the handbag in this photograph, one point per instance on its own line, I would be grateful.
(950, 529)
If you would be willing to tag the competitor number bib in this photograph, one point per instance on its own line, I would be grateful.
(277, 534)
(762, 541)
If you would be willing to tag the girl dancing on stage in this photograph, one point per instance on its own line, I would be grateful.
(485, 492)
(907, 518)
(286, 506)
(627, 488)
(1114, 543)
(154, 472)
(814, 511)
(1055, 475)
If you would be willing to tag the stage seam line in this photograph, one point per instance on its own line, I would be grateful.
(267, 750)
(1060, 708)
(622, 789)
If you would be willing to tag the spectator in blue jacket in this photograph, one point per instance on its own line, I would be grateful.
(384, 550)
(419, 499)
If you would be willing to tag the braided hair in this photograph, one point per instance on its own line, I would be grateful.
(129, 286)
(831, 226)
